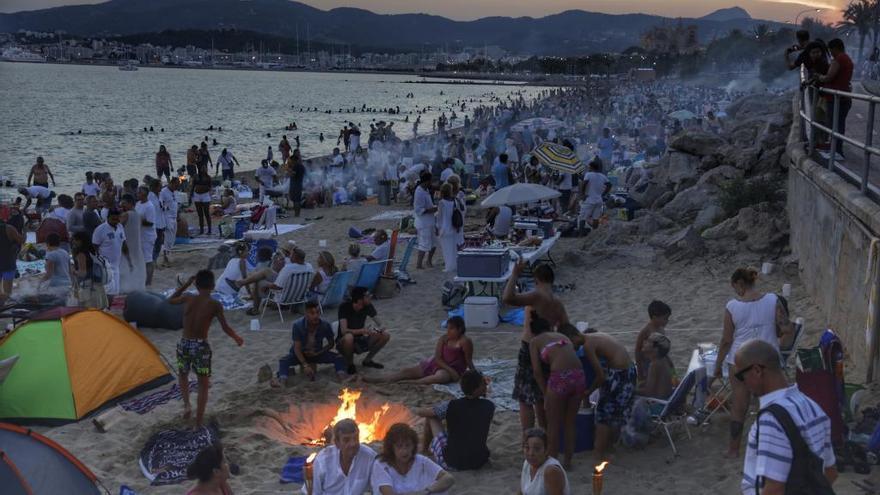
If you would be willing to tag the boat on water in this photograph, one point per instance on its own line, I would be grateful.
(128, 66)
(16, 54)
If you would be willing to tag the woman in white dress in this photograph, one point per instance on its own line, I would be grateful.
(132, 269)
(400, 470)
(751, 315)
(541, 474)
(236, 269)
(447, 232)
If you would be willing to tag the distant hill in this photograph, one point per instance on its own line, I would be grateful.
(730, 14)
(566, 33)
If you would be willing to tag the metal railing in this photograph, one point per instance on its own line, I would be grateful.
(808, 103)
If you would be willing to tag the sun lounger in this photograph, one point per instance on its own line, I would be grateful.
(369, 275)
(401, 271)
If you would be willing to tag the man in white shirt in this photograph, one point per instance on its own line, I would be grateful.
(147, 212)
(265, 176)
(593, 187)
(383, 246)
(343, 468)
(41, 193)
(225, 162)
(109, 239)
(153, 197)
(770, 459)
(90, 188)
(168, 205)
(424, 209)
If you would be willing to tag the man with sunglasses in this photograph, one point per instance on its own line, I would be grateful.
(770, 466)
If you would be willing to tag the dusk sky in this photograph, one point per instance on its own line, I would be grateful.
(779, 10)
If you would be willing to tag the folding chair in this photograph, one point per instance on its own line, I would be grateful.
(293, 293)
(369, 275)
(335, 292)
(786, 353)
(401, 270)
(674, 411)
(268, 220)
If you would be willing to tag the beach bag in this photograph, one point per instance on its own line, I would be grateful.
(457, 218)
(385, 287)
(99, 270)
(807, 475)
(452, 294)
(257, 213)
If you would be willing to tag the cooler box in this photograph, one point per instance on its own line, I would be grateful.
(585, 430)
(483, 263)
(481, 312)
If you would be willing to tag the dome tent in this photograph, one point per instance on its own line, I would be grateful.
(27, 457)
(72, 362)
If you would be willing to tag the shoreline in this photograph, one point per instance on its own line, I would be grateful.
(489, 79)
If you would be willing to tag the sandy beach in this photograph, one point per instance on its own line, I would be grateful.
(613, 285)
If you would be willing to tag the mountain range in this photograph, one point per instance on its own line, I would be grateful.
(565, 33)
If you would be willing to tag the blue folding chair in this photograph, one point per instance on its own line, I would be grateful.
(335, 293)
(674, 412)
(370, 273)
(401, 272)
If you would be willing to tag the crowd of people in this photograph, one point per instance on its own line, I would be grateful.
(117, 234)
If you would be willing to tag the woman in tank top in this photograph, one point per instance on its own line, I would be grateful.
(750, 315)
(541, 474)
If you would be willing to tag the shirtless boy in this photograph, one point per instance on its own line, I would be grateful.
(193, 351)
(550, 308)
(659, 313)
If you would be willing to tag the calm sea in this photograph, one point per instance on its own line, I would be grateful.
(43, 107)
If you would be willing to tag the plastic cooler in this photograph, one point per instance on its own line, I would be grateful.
(481, 312)
(585, 430)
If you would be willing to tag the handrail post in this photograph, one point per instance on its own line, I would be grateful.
(833, 141)
(814, 99)
(869, 141)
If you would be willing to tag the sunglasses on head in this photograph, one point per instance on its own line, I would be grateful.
(741, 374)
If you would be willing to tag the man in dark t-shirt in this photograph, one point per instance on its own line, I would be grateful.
(353, 336)
(462, 445)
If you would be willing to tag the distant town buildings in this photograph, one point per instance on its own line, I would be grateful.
(671, 40)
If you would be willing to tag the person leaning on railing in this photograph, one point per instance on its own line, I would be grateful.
(838, 77)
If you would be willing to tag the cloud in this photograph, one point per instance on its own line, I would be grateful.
(817, 4)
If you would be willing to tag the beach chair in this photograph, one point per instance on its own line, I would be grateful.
(293, 293)
(674, 412)
(401, 271)
(786, 353)
(335, 293)
(369, 275)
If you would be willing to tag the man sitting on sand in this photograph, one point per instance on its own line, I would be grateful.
(193, 351)
(462, 445)
(312, 345)
(344, 467)
(659, 313)
(354, 337)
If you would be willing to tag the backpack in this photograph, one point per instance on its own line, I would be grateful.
(807, 475)
(457, 218)
(452, 294)
(99, 270)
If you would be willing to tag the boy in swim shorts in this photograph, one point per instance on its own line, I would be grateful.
(193, 351)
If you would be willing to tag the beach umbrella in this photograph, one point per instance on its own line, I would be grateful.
(519, 194)
(538, 123)
(557, 157)
(682, 115)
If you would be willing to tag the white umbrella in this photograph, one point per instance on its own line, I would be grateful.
(519, 194)
(538, 123)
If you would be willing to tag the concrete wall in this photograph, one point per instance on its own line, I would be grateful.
(832, 227)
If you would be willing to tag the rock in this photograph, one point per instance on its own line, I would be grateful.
(648, 224)
(687, 243)
(686, 204)
(762, 104)
(662, 200)
(709, 162)
(708, 216)
(742, 158)
(774, 135)
(769, 161)
(719, 175)
(647, 196)
(762, 229)
(697, 142)
(682, 170)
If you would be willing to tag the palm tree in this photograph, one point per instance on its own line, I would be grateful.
(860, 17)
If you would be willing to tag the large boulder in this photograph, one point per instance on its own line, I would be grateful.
(647, 195)
(697, 142)
(769, 161)
(743, 158)
(686, 204)
(710, 215)
(760, 104)
(687, 243)
(678, 171)
(762, 228)
(719, 175)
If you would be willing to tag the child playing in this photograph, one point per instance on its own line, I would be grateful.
(659, 313)
(193, 351)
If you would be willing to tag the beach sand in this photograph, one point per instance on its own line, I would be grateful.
(613, 289)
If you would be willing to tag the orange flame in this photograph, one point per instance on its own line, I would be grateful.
(601, 467)
(348, 410)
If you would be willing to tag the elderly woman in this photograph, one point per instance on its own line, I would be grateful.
(541, 474)
(401, 470)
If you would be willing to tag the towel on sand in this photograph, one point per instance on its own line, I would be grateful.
(501, 372)
(145, 404)
(230, 303)
(292, 472)
(168, 453)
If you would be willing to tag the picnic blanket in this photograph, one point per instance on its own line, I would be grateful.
(292, 472)
(390, 215)
(230, 303)
(26, 268)
(501, 372)
(145, 404)
(166, 455)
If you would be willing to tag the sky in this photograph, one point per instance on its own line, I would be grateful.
(778, 10)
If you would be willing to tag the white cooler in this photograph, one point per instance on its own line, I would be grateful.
(481, 312)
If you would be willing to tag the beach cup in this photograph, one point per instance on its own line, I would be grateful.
(255, 325)
(767, 268)
(322, 243)
(582, 326)
(786, 290)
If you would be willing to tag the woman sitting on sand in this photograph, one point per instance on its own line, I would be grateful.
(400, 470)
(212, 472)
(452, 357)
(228, 205)
(560, 376)
(541, 474)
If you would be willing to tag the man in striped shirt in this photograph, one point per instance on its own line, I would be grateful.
(769, 459)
